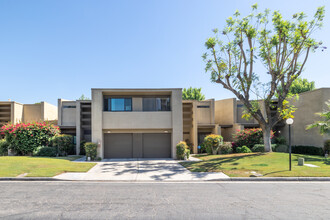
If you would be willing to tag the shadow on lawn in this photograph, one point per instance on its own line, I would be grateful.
(215, 163)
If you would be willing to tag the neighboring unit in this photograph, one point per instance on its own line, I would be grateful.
(308, 104)
(15, 112)
(198, 121)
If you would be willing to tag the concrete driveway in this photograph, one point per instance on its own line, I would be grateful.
(140, 170)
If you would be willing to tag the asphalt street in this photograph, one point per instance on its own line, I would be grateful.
(208, 200)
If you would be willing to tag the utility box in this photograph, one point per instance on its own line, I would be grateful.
(301, 161)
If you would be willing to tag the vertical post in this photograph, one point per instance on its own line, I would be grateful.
(289, 147)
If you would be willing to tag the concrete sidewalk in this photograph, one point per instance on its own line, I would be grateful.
(141, 170)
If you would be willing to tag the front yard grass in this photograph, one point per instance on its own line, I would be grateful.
(267, 164)
(40, 166)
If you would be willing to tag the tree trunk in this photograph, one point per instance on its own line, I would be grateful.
(267, 141)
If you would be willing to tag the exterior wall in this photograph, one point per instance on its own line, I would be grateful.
(68, 115)
(136, 121)
(307, 105)
(49, 112)
(205, 115)
(225, 111)
(32, 113)
(17, 115)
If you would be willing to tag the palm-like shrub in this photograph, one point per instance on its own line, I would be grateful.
(324, 124)
(213, 143)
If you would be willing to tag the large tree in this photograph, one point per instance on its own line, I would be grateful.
(192, 94)
(281, 46)
(301, 85)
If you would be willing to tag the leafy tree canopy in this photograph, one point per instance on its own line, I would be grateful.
(301, 85)
(282, 46)
(83, 97)
(192, 94)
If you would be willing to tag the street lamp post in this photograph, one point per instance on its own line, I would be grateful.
(289, 122)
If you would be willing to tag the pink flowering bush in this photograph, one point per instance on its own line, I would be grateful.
(249, 137)
(25, 138)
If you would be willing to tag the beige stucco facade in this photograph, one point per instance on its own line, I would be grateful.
(15, 112)
(198, 121)
(308, 104)
(137, 120)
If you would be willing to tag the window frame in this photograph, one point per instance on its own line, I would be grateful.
(109, 104)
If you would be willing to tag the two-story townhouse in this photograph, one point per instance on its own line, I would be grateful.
(14, 112)
(136, 123)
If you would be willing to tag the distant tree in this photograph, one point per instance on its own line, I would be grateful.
(192, 94)
(83, 97)
(281, 45)
(300, 85)
(324, 124)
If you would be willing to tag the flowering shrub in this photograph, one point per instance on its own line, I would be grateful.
(249, 137)
(25, 138)
(213, 143)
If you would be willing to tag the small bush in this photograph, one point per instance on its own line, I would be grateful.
(91, 150)
(261, 147)
(182, 150)
(280, 140)
(63, 143)
(4, 147)
(82, 148)
(43, 151)
(243, 149)
(327, 146)
(226, 148)
(249, 137)
(213, 143)
(309, 150)
(282, 148)
(202, 148)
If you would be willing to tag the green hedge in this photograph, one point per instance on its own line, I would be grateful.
(63, 143)
(309, 150)
(261, 147)
(327, 146)
(282, 148)
(4, 147)
(226, 148)
(243, 149)
(43, 151)
(91, 150)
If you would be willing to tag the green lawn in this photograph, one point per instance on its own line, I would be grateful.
(40, 166)
(267, 164)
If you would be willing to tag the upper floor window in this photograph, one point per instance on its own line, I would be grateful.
(118, 104)
(156, 104)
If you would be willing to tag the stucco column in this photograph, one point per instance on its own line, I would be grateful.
(97, 135)
(177, 119)
(59, 112)
(194, 133)
(78, 127)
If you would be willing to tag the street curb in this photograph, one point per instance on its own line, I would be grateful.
(269, 179)
(29, 179)
(232, 179)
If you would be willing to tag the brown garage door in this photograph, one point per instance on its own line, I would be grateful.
(118, 145)
(156, 145)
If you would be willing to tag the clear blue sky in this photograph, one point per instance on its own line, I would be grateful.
(61, 49)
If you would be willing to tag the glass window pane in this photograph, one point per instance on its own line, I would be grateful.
(117, 104)
(149, 104)
(128, 104)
